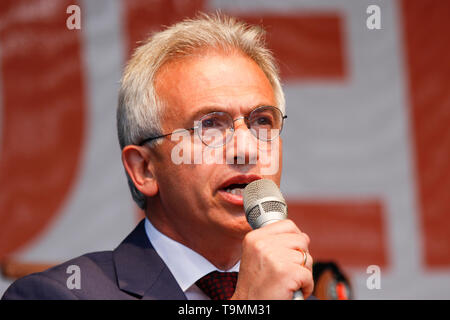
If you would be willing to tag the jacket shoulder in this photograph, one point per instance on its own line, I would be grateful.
(77, 278)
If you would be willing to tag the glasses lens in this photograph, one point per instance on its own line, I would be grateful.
(266, 122)
(215, 129)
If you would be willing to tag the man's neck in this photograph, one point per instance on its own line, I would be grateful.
(205, 244)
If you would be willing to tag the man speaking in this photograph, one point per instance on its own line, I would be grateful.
(199, 118)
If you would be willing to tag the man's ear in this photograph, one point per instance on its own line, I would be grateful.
(136, 161)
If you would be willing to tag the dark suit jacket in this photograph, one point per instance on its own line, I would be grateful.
(132, 271)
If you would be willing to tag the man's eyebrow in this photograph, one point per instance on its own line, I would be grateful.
(205, 110)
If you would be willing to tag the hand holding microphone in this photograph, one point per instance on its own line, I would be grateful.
(275, 262)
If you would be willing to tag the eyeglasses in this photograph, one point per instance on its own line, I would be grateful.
(216, 129)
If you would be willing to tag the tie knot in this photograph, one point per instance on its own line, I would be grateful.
(218, 285)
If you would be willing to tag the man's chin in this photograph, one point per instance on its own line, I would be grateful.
(237, 225)
(231, 217)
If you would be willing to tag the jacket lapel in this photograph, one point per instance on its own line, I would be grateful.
(141, 271)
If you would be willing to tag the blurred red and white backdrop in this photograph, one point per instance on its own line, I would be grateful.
(366, 145)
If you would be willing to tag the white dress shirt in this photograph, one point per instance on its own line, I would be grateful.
(186, 265)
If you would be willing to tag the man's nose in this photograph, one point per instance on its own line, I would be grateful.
(244, 145)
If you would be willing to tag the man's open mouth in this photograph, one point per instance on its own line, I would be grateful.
(237, 189)
(232, 190)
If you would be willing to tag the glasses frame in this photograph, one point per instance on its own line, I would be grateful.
(246, 119)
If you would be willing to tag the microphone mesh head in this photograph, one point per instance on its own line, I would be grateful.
(257, 191)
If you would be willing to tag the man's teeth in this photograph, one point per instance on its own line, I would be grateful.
(236, 191)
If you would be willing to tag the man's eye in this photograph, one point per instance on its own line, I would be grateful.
(263, 121)
(209, 123)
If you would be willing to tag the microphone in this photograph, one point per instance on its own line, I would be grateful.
(263, 205)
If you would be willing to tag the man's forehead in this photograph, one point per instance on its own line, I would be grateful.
(195, 86)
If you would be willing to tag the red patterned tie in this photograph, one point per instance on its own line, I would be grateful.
(218, 285)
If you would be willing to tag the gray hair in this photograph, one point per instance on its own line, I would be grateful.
(139, 110)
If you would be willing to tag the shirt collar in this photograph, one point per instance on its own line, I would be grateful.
(186, 265)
